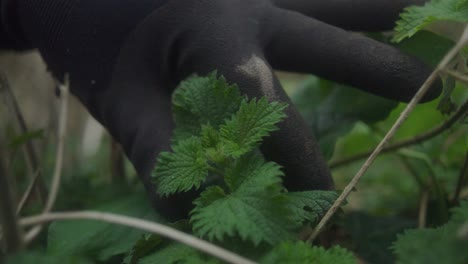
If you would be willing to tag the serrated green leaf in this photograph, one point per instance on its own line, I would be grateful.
(251, 174)
(259, 217)
(200, 101)
(256, 209)
(181, 170)
(301, 252)
(415, 18)
(433, 245)
(254, 120)
(311, 205)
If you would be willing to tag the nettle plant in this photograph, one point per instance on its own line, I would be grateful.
(216, 146)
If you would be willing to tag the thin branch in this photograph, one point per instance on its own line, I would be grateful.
(28, 148)
(458, 76)
(423, 209)
(461, 180)
(27, 194)
(462, 111)
(403, 116)
(144, 225)
(11, 230)
(62, 124)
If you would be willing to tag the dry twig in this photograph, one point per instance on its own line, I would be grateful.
(144, 225)
(64, 94)
(462, 111)
(403, 116)
(28, 148)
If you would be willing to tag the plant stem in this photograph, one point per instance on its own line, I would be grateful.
(62, 124)
(462, 111)
(28, 147)
(458, 76)
(403, 116)
(144, 225)
(11, 230)
(461, 180)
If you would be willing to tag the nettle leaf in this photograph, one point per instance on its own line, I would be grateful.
(257, 217)
(433, 245)
(183, 169)
(254, 120)
(251, 174)
(415, 18)
(200, 101)
(256, 210)
(301, 252)
(311, 205)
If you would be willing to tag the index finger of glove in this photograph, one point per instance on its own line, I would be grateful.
(304, 44)
(361, 15)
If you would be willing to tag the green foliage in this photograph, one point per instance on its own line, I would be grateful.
(182, 169)
(250, 124)
(177, 253)
(249, 201)
(255, 208)
(25, 137)
(205, 144)
(38, 257)
(300, 252)
(331, 109)
(373, 235)
(311, 205)
(418, 46)
(435, 245)
(99, 240)
(203, 101)
(415, 18)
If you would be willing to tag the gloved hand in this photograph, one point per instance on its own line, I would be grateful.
(126, 57)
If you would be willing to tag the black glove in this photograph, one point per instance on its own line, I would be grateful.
(126, 57)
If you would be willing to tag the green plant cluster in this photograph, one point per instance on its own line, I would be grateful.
(218, 148)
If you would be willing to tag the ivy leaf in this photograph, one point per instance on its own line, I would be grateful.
(415, 18)
(254, 120)
(256, 210)
(431, 245)
(311, 205)
(200, 101)
(301, 252)
(183, 169)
